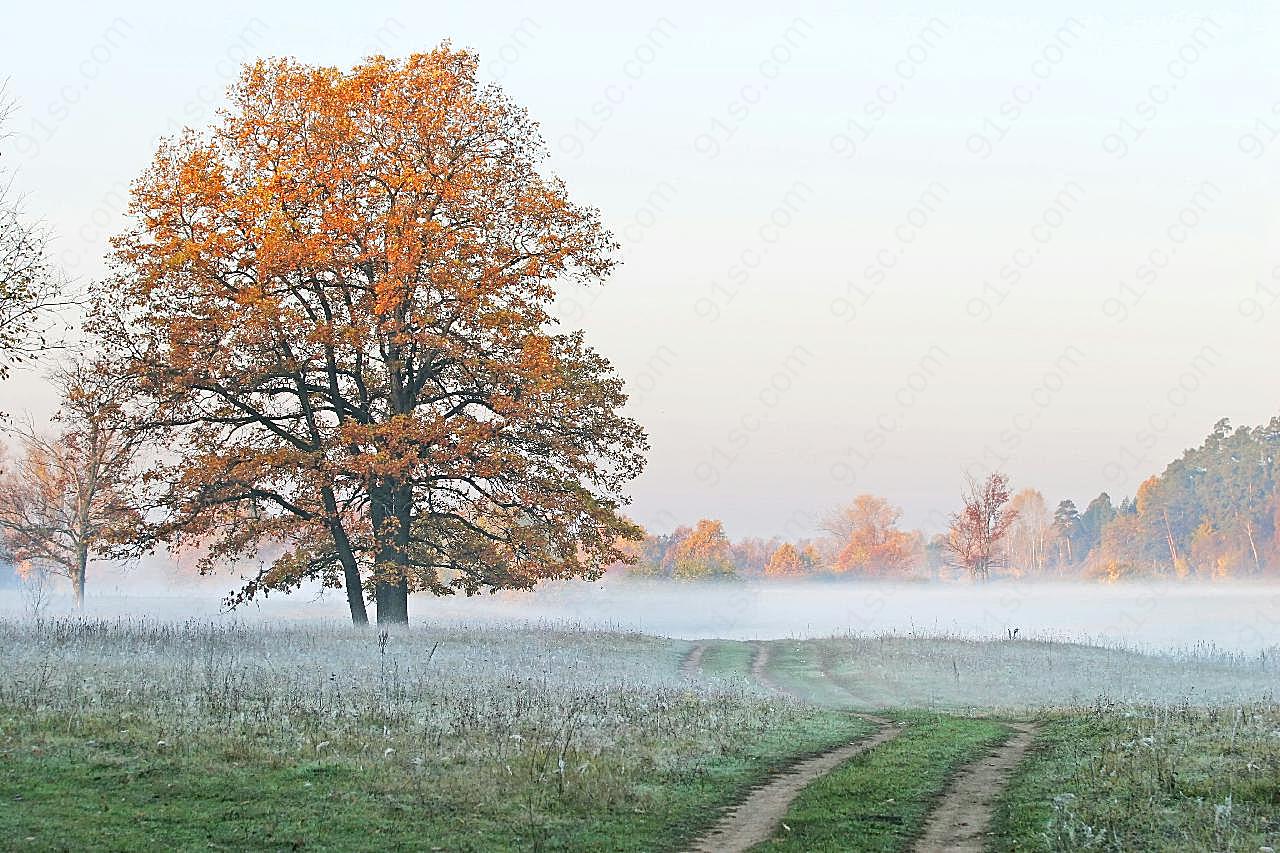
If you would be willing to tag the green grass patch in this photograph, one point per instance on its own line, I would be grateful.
(727, 659)
(1174, 778)
(797, 667)
(877, 801)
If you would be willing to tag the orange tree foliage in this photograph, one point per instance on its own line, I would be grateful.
(787, 562)
(867, 540)
(704, 553)
(335, 305)
(1118, 555)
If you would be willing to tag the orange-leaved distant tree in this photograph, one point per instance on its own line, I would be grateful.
(976, 536)
(335, 305)
(704, 553)
(1118, 555)
(787, 561)
(71, 497)
(865, 539)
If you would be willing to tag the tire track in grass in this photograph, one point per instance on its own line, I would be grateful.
(692, 663)
(881, 800)
(961, 821)
(760, 672)
(759, 664)
(755, 819)
(802, 665)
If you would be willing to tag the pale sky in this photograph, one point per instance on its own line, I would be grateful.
(861, 251)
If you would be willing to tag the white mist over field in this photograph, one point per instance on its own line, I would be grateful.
(1231, 617)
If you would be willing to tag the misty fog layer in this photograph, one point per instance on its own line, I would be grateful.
(1234, 617)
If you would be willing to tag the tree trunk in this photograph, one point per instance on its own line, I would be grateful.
(1257, 561)
(350, 571)
(355, 591)
(1173, 547)
(390, 516)
(393, 602)
(77, 582)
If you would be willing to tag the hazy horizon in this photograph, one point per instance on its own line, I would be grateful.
(1218, 618)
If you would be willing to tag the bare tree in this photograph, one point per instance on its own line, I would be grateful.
(975, 539)
(32, 291)
(1032, 533)
(36, 590)
(67, 498)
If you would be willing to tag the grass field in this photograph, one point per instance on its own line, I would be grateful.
(1158, 777)
(1016, 677)
(270, 738)
(117, 735)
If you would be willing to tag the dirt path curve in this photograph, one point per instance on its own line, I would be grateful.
(961, 821)
(692, 662)
(755, 819)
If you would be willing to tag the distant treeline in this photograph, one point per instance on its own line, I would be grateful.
(1214, 513)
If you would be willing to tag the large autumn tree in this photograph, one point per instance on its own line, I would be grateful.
(335, 307)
